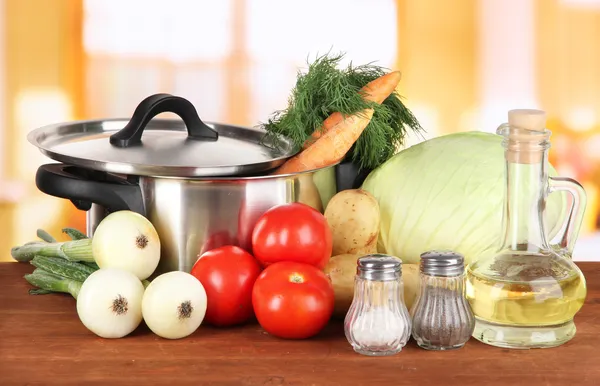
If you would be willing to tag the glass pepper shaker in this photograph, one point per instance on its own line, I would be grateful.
(378, 322)
(442, 317)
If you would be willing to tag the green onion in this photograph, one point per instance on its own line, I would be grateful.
(75, 250)
(47, 237)
(74, 234)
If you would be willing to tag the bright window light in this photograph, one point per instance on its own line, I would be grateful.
(594, 4)
(581, 118)
(36, 108)
(177, 30)
(506, 60)
(293, 31)
(205, 89)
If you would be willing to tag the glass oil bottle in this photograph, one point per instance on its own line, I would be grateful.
(527, 293)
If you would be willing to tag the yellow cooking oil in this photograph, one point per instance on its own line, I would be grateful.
(525, 299)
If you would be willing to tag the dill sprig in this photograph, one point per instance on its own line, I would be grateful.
(324, 89)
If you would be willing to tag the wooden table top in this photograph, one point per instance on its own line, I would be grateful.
(42, 342)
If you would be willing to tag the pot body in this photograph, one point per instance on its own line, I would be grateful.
(193, 216)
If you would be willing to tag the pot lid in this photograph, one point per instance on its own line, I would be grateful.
(168, 148)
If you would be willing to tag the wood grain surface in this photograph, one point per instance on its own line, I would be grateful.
(42, 342)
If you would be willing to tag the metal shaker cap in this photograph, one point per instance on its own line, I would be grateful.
(442, 263)
(379, 267)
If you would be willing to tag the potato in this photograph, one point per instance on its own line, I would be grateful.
(412, 283)
(353, 217)
(341, 270)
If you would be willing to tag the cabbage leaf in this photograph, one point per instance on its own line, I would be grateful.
(448, 193)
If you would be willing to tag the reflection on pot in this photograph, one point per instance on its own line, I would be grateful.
(217, 239)
(193, 216)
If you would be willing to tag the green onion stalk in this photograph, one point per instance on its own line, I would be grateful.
(74, 234)
(61, 267)
(47, 237)
(74, 250)
(78, 249)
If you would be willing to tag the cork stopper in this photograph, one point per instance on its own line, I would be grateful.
(533, 120)
(526, 137)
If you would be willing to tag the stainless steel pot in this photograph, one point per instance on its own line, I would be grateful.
(190, 215)
(201, 190)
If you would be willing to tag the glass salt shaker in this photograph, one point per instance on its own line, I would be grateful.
(442, 317)
(378, 322)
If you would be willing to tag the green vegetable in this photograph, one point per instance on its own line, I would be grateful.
(447, 193)
(42, 234)
(59, 266)
(64, 268)
(325, 89)
(90, 264)
(60, 273)
(50, 282)
(76, 250)
(38, 291)
(74, 234)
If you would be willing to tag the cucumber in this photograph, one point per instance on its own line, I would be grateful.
(53, 283)
(63, 268)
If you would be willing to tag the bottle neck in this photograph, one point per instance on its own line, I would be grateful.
(524, 201)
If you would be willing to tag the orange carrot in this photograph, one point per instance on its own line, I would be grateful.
(375, 91)
(331, 147)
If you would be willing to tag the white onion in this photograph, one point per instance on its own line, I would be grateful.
(127, 240)
(174, 305)
(110, 302)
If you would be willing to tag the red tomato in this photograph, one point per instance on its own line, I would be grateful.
(292, 300)
(292, 232)
(228, 274)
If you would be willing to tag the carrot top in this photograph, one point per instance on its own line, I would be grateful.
(324, 89)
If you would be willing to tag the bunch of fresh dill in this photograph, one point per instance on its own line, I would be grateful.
(324, 89)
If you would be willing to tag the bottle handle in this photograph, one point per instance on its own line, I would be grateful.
(575, 213)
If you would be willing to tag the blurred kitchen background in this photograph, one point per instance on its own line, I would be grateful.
(464, 64)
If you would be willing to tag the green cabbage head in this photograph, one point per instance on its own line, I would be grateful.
(447, 193)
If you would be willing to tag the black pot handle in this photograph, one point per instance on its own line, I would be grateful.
(349, 176)
(84, 187)
(155, 104)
